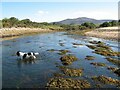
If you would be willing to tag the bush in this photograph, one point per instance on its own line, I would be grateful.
(105, 24)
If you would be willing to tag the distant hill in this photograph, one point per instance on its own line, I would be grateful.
(81, 20)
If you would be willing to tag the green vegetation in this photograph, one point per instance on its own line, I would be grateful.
(86, 25)
(14, 22)
(108, 24)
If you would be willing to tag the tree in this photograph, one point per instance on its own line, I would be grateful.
(88, 25)
(13, 21)
(5, 22)
(82, 27)
(114, 23)
(105, 24)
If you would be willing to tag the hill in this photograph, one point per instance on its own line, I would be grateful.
(81, 20)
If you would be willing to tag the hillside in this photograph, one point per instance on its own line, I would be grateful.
(81, 20)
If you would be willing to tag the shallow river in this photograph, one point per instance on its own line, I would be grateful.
(18, 74)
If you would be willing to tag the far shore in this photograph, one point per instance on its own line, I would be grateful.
(111, 33)
(9, 33)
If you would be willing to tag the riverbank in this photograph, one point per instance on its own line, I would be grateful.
(110, 33)
(8, 33)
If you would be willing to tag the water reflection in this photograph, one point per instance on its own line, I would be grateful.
(25, 61)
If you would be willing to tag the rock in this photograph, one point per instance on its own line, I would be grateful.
(90, 58)
(58, 74)
(67, 83)
(62, 52)
(91, 46)
(102, 49)
(112, 68)
(117, 72)
(68, 59)
(77, 44)
(96, 42)
(51, 50)
(113, 60)
(107, 80)
(98, 64)
(71, 71)
(61, 44)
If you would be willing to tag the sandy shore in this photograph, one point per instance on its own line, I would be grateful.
(106, 33)
(9, 33)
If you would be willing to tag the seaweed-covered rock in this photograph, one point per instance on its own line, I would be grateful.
(77, 44)
(117, 72)
(96, 42)
(98, 64)
(102, 49)
(103, 46)
(90, 58)
(68, 59)
(61, 44)
(112, 68)
(71, 71)
(113, 60)
(67, 83)
(105, 52)
(91, 46)
(107, 80)
(58, 74)
(51, 50)
(62, 52)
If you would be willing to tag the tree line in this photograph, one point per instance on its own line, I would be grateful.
(14, 22)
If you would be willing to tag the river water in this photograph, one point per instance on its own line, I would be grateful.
(18, 74)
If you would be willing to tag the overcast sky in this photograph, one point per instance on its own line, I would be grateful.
(56, 11)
